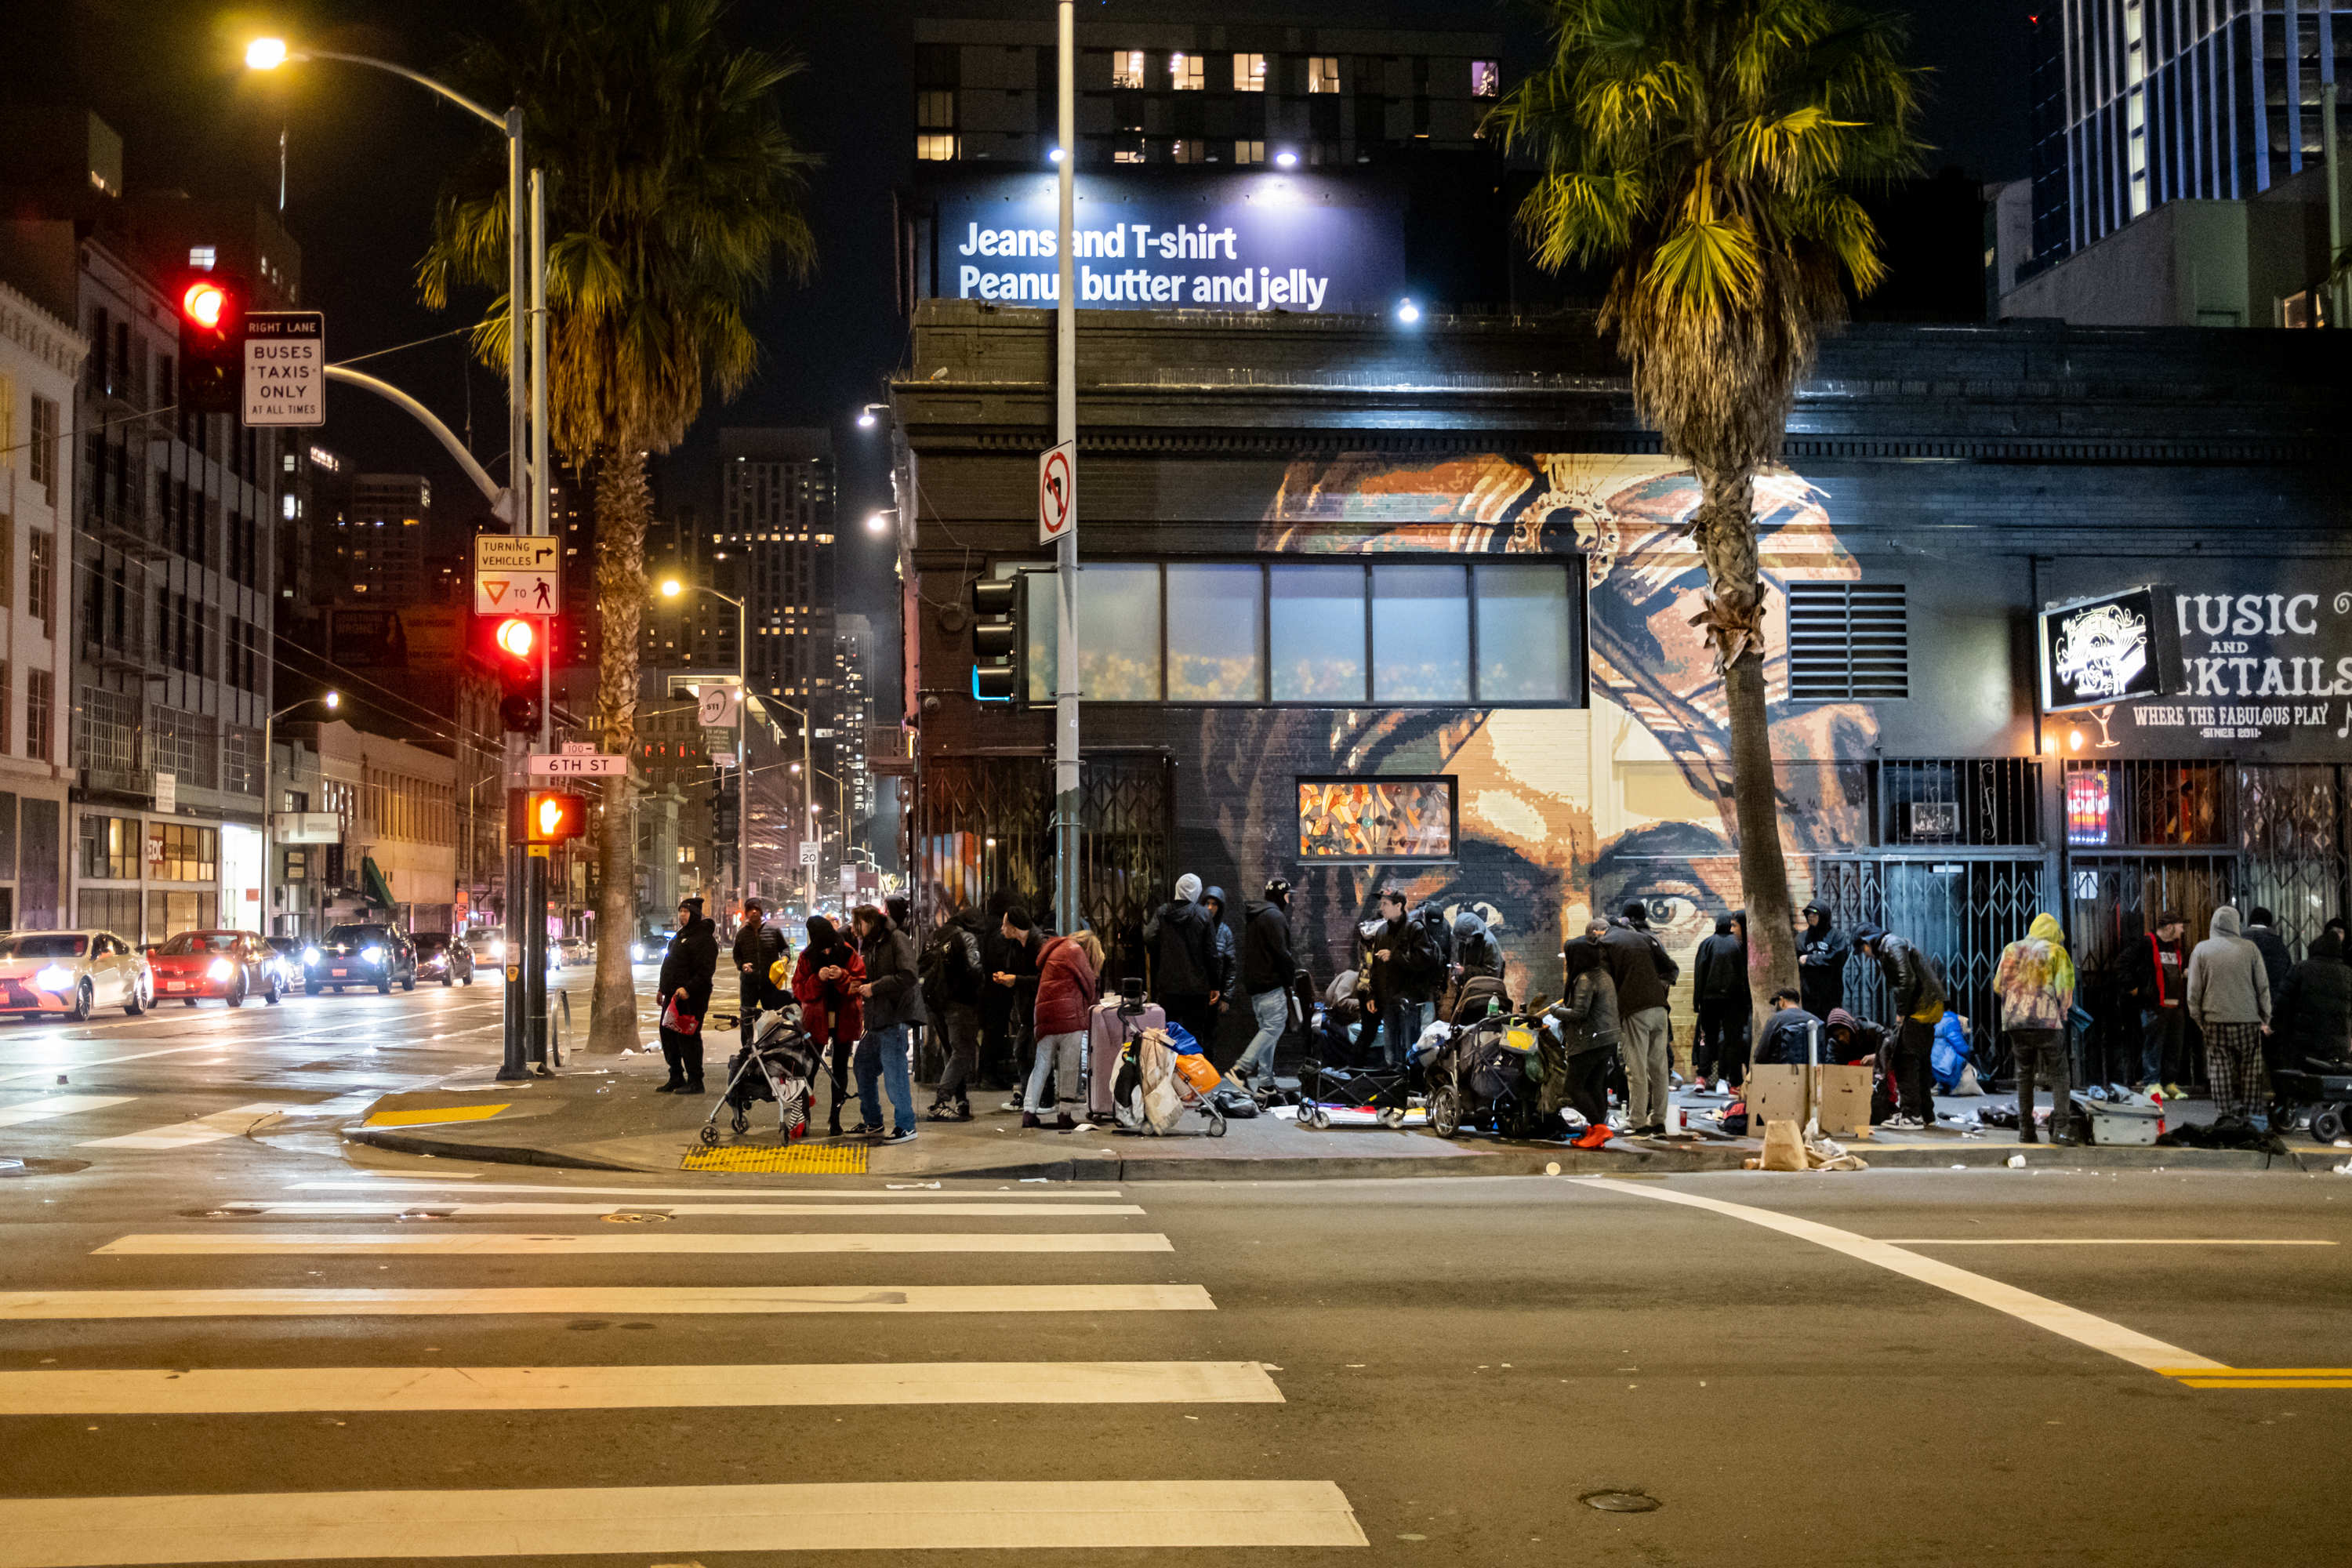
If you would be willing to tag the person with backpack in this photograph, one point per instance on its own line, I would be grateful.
(952, 977)
(688, 965)
(1268, 973)
(1719, 980)
(1788, 1033)
(2155, 979)
(1184, 952)
(825, 983)
(2035, 983)
(1588, 1013)
(1643, 974)
(1407, 969)
(892, 997)
(1918, 991)
(2230, 999)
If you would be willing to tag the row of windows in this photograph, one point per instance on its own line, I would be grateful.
(41, 442)
(1337, 634)
(1183, 72)
(174, 852)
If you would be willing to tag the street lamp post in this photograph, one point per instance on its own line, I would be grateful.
(268, 807)
(671, 588)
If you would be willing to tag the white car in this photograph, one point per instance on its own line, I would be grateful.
(71, 973)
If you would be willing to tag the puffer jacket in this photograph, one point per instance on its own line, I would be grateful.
(2228, 983)
(687, 965)
(1589, 1013)
(1067, 988)
(2314, 1006)
(2036, 978)
(897, 995)
(758, 947)
(831, 1012)
(1184, 950)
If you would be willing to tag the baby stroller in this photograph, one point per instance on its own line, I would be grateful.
(780, 1065)
(1487, 1076)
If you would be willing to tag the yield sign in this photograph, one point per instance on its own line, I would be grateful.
(1058, 492)
(517, 594)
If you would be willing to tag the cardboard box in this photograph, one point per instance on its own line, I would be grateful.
(1774, 1093)
(1844, 1096)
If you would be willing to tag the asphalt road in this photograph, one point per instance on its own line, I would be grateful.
(304, 1359)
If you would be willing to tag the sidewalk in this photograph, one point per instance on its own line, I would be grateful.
(602, 1113)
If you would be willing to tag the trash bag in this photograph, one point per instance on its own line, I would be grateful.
(1234, 1104)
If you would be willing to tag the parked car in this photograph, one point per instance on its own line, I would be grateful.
(229, 965)
(577, 954)
(72, 972)
(651, 947)
(360, 955)
(443, 957)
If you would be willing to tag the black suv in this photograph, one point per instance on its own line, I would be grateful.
(360, 955)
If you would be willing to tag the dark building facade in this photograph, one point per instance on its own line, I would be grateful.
(1365, 604)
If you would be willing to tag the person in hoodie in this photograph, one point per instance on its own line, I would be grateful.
(891, 994)
(1787, 1040)
(2155, 978)
(825, 983)
(689, 965)
(1069, 981)
(1184, 952)
(1643, 972)
(1588, 1013)
(759, 944)
(1719, 980)
(2229, 1000)
(2313, 1017)
(2035, 983)
(1918, 992)
(1820, 961)
(1267, 975)
(1225, 959)
(952, 972)
(1476, 986)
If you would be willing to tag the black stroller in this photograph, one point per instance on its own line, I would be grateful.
(1488, 1078)
(780, 1066)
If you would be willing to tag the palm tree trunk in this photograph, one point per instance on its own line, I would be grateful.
(1726, 528)
(622, 504)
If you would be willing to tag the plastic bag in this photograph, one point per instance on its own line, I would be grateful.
(680, 1023)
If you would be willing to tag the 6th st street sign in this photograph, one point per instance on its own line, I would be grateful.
(285, 367)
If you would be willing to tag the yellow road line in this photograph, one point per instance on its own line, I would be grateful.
(447, 1113)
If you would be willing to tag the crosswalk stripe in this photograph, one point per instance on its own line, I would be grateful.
(52, 1063)
(478, 1244)
(901, 1516)
(268, 1390)
(197, 1130)
(1057, 1191)
(620, 1301)
(59, 1105)
(524, 1210)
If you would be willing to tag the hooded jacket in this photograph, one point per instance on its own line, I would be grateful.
(831, 1012)
(897, 996)
(2228, 982)
(1224, 968)
(1415, 969)
(2154, 971)
(1266, 961)
(1821, 955)
(949, 964)
(1911, 980)
(1720, 970)
(1861, 1039)
(2313, 1015)
(688, 964)
(2036, 978)
(758, 947)
(1067, 987)
(1589, 1010)
(1475, 947)
(2277, 961)
(1639, 966)
(1785, 1036)
(1183, 949)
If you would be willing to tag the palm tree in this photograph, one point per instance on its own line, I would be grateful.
(673, 191)
(1707, 152)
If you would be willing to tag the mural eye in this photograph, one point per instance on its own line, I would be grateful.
(1676, 913)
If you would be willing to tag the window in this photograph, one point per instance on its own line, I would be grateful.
(108, 732)
(1118, 634)
(1249, 151)
(1323, 73)
(182, 852)
(40, 712)
(109, 849)
(1485, 78)
(1130, 153)
(1216, 635)
(1191, 152)
(109, 909)
(1316, 631)
(1249, 73)
(935, 149)
(41, 585)
(42, 469)
(1358, 819)
(1526, 652)
(935, 111)
(1848, 642)
(1421, 634)
(1127, 68)
(1188, 73)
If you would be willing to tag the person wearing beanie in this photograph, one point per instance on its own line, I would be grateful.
(689, 965)
(1183, 951)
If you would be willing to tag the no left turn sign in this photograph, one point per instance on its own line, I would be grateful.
(1058, 492)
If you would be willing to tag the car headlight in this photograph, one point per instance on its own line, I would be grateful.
(372, 954)
(221, 969)
(309, 955)
(54, 977)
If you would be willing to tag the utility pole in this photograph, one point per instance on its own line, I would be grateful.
(1065, 555)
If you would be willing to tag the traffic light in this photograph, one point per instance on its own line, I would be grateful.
(995, 639)
(724, 813)
(212, 341)
(550, 816)
(520, 645)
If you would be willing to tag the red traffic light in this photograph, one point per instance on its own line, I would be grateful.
(205, 302)
(553, 817)
(516, 637)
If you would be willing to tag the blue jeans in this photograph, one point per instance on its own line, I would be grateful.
(882, 1053)
(1399, 1026)
(1272, 1010)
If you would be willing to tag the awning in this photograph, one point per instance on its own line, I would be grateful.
(375, 888)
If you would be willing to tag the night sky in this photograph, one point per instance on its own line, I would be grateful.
(365, 152)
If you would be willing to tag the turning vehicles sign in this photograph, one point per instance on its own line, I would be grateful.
(517, 574)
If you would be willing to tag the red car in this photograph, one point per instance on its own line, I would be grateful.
(229, 965)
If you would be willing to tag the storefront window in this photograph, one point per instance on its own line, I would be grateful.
(1118, 634)
(182, 853)
(1215, 633)
(1421, 634)
(1317, 627)
(1526, 648)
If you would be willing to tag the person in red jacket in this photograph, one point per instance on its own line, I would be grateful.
(1068, 971)
(826, 984)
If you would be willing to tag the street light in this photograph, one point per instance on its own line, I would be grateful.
(333, 699)
(670, 589)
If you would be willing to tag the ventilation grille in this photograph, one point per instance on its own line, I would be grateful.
(1848, 642)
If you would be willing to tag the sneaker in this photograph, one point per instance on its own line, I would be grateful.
(1905, 1124)
(1010, 1105)
(862, 1131)
(899, 1135)
(1029, 1119)
(961, 1112)
(1593, 1137)
(2174, 1091)
(942, 1112)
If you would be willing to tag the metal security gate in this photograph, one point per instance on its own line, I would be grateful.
(1961, 910)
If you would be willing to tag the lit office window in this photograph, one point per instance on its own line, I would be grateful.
(1188, 73)
(1127, 68)
(1191, 152)
(1249, 151)
(1216, 634)
(935, 149)
(935, 111)
(1249, 73)
(1485, 78)
(1317, 633)
(1421, 634)
(1323, 73)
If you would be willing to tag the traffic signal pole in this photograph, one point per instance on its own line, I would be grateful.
(1065, 560)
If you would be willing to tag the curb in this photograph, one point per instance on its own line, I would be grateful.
(490, 1154)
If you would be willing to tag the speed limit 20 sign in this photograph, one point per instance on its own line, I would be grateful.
(1057, 493)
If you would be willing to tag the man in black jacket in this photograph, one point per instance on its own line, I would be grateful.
(1644, 973)
(950, 968)
(1917, 993)
(1184, 961)
(1788, 1032)
(1407, 972)
(688, 965)
(757, 946)
(1719, 979)
(891, 993)
(1820, 961)
(1000, 1035)
(1267, 974)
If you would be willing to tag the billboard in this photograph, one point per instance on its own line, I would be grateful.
(1302, 243)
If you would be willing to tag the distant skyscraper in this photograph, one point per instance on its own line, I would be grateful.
(772, 545)
(378, 549)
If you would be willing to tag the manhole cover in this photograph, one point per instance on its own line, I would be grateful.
(633, 1216)
(1620, 1502)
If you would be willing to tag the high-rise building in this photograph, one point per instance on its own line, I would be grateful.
(772, 545)
(376, 550)
(848, 714)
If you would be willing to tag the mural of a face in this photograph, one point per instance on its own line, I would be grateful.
(1563, 811)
